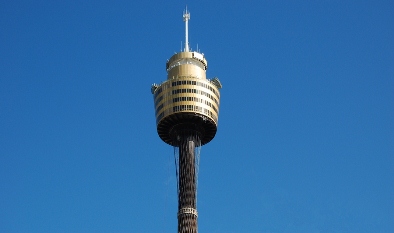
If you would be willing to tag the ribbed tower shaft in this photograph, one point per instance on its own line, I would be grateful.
(187, 212)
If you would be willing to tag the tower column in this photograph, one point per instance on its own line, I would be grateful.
(186, 112)
(187, 212)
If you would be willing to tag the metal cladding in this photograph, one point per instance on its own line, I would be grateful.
(187, 111)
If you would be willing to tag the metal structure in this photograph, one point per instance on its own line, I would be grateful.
(187, 110)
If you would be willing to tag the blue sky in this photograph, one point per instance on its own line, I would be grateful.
(306, 132)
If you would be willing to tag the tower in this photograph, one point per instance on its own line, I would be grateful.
(187, 110)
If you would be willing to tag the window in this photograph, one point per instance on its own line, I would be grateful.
(160, 116)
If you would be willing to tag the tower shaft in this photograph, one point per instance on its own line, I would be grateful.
(187, 212)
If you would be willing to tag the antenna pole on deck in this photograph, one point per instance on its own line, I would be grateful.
(186, 17)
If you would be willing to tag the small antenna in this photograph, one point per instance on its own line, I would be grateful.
(186, 17)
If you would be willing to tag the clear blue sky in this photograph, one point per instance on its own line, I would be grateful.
(306, 127)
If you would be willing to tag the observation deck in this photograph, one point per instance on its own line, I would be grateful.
(187, 100)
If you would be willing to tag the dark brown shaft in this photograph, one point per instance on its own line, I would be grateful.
(187, 213)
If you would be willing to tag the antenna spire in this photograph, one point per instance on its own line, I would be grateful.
(186, 17)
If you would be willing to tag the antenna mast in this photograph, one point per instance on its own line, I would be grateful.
(186, 17)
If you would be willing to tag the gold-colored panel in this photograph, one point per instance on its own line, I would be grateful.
(185, 70)
(187, 95)
(183, 55)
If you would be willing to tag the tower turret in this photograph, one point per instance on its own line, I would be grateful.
(187, 110)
